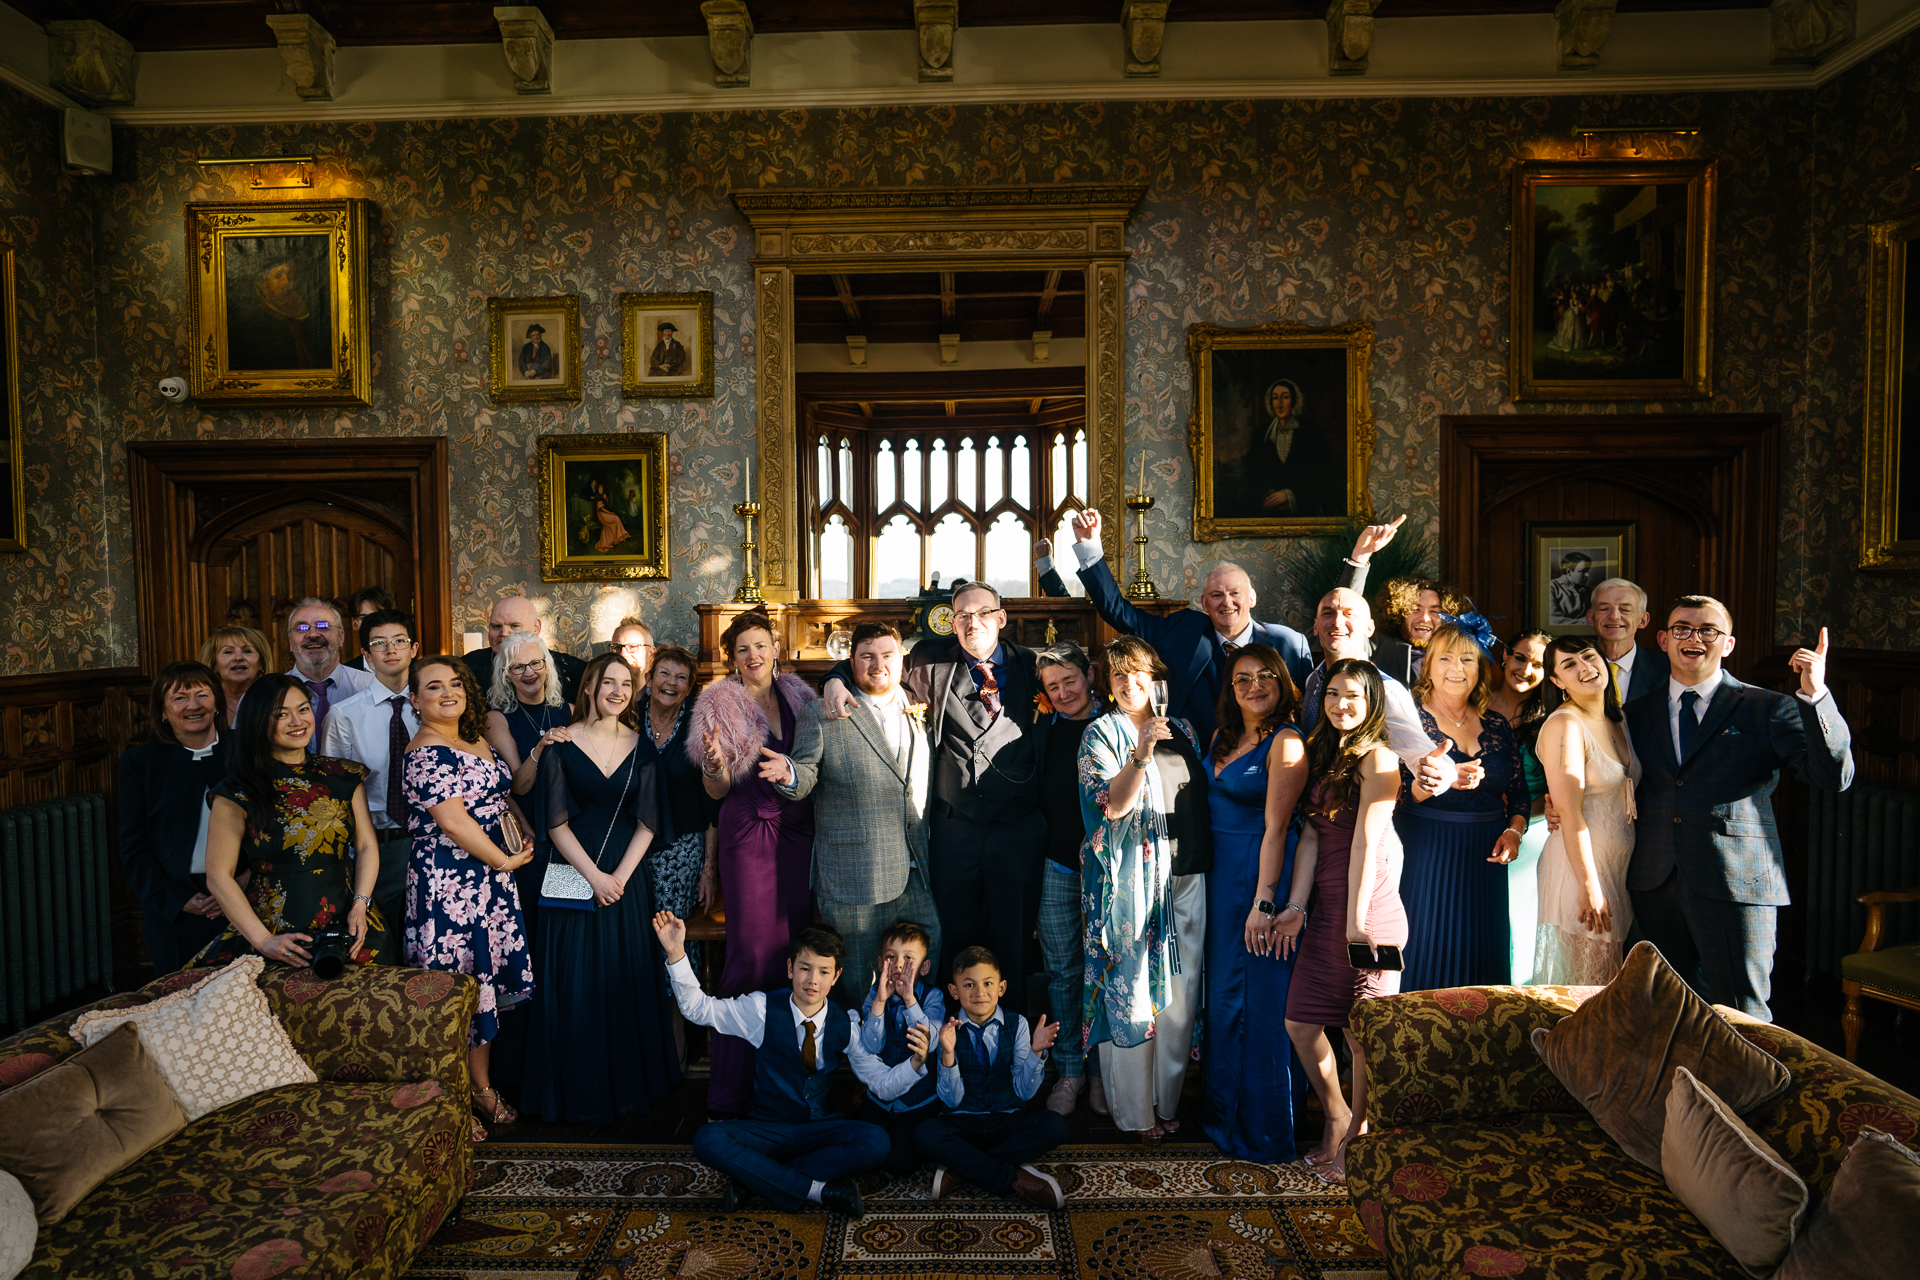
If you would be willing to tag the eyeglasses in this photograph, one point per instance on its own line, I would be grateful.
(304, 627)
(632, 648)
(527, 669)
(1681, 631)
(978, 615)
(1247, 679)
(382, 646)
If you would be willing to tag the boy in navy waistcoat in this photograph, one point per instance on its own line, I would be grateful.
(904, 1011)
(790, 1148)
(989, 1067)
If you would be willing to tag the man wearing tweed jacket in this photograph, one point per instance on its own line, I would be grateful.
(868, 776)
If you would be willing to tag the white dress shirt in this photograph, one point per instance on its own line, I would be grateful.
(1028, 1066)
(359, 728)
(889, 1084)
(1675, 688)
(892, 715)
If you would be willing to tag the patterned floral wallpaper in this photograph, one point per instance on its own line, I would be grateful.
(1313, 211)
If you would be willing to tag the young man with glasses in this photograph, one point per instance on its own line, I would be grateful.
(317, 634)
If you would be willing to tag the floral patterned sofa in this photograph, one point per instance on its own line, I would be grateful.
(1480, 1164)
(347, 1177)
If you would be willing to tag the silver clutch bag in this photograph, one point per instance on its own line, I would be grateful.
(562, 881)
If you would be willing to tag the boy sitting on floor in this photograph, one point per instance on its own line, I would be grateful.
(790, 1148)
(989, 1066)
(903, 1011)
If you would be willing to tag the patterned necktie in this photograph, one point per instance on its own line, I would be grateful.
(989, 687)
(396, 748)
(808, 1058)
(318, 688)
(1310, 703)
(1230, 647)
(1689, 722)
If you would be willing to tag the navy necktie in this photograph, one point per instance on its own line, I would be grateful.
(397, 737)
(1689, 723)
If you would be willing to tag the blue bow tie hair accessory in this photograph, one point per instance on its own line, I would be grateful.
(1474, 627)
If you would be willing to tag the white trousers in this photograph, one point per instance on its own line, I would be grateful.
(1149, 1077)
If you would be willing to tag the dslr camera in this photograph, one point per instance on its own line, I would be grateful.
(332, 951)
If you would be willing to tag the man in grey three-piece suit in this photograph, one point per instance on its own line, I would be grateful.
(867, 774)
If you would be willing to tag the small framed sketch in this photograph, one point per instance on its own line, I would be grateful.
(13, 489)
(668, 344)
(1565, 562)
(603, 507)
(536, 348)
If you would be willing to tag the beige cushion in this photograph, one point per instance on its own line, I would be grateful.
(70, 1128)
(216, 1042)
(1868, 1227)
(1747, 1196)
(19, 1227)
(1617, 1053)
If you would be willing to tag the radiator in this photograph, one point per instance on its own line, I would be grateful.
(1864, 838)
(56, 939)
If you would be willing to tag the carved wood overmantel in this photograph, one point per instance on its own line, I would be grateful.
(804, 231)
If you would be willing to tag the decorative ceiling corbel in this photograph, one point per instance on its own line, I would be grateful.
(90, 63)
(1144, 23)
(1806, 31)
(306, 50)
(527, 40)
(1584, 26)
(935, 20)
(730, 41)
(1349, 36)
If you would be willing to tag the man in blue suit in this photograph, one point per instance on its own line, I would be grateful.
(1617, 611)
(1707, 876)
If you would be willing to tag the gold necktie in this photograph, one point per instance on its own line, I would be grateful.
(1619, 693)
(807, 1053)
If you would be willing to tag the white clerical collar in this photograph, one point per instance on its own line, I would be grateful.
(201, 753)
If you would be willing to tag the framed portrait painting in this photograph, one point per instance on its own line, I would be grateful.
(535, 351)
(1890, 480)
(279, 308)
(13, 486)
(1612, 280)
(667, 347)
(1565, 562)
(1281, 429)
(603, 507)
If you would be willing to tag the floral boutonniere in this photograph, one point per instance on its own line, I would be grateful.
(1041, 705)
(917, 712)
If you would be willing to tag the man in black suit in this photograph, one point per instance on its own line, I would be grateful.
(988, 836)
(1617, 610)
(511, 614)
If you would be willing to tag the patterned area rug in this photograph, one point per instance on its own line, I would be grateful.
(1180, 1212)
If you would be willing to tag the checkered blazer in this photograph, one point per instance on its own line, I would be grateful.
(869, 810)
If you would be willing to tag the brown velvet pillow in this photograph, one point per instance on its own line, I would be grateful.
(1616, 1054)
(1749, 1198)
(1868, 1228)
(73, 1126)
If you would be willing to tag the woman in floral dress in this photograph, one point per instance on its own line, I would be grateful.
(463, 912)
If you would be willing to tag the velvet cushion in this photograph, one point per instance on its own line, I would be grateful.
(19, 1227)
(1748, 1197)
(1868, 1228)
(1617, 1053)
(67, 1130)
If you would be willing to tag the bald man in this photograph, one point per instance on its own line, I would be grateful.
(516, 613)
(1344, 626)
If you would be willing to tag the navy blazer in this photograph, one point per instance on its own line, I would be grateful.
(1190, 647)
(1651, 670)
(1711, 818)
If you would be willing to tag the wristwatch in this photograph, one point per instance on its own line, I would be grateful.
(1266, 909)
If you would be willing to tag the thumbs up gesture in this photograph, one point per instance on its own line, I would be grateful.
(1437, 772)
(1812, 666)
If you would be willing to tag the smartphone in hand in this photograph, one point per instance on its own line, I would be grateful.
(1360, 956)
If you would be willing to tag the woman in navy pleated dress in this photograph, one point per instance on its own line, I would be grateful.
(1459, 842)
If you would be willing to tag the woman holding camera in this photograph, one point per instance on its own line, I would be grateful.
(292, 817)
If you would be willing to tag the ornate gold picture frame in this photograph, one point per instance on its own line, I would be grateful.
(1281, 429)
(13, 487)
(279, 308)
(666, 345)
(603, 507)
(1890, 475)
(1612, 280)
(534, 351)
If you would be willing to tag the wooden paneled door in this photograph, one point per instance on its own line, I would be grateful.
(236, 530)
(1700, 491)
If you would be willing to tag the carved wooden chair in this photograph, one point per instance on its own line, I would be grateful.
(1892, 975)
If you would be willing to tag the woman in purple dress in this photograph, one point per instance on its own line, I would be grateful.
(765, 840)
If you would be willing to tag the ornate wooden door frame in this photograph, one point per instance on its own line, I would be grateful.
(821, 230)
(163, 475)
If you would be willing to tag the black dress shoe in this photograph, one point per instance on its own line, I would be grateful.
(842, 1195)
(732, 1198)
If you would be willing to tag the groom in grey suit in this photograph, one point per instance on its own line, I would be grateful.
(867, 774)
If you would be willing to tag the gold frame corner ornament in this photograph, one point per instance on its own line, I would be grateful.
(348, 379)
(13, 534)
(556, 565)
(1884, 433)
(1356, 339)
(500, 342)
(699, 387)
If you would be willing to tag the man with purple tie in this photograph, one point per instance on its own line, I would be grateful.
(316, 633)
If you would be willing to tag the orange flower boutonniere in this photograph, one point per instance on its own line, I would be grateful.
(1041, 705)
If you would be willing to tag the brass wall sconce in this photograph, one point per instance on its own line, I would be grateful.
(1587, 133)
(270, 173)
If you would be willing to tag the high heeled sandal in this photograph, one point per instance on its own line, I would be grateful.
(497, 1115)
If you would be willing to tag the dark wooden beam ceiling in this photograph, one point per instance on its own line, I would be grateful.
(981, 306)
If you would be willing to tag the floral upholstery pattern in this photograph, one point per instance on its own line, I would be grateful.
(1481, 1165)
(349, 1177)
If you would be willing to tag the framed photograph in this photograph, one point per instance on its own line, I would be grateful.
(1612, 280)
(668, 344)
(1281, 430)
(603, 507)
(279, 307)
(1890, 480)
(536, 349)
(1565, 562)
(13, 486)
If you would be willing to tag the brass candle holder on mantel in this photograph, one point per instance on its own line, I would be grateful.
(749, 591)
(1141, 588)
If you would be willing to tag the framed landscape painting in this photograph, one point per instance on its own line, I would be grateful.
(1612, 280)
(603, 507)
(667, 346)
(1565, 562)
(535, 349)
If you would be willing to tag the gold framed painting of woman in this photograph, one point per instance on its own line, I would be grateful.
(603, 507)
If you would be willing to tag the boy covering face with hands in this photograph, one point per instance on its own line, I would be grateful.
(904, 1012)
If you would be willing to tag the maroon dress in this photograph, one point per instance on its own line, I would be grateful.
(1324, 985)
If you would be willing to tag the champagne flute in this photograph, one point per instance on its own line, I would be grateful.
(1159, 698)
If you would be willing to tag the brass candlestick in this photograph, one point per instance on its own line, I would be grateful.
(1141, 588)
(749, 592)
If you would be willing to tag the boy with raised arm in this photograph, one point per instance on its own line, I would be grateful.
(790, 1148)
(989, 1067)
(904, 1012)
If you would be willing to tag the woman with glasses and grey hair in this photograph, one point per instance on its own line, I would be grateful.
(529, 713)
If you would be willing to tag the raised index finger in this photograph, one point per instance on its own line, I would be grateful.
(1821, 648)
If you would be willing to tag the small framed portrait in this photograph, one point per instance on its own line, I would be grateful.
(1612, 280)
(668, 348)
(1890, 436)
(1281, 431)
(279, 307)
(13, 486)
(603, 507)
(536, 349)
(1565, 562)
